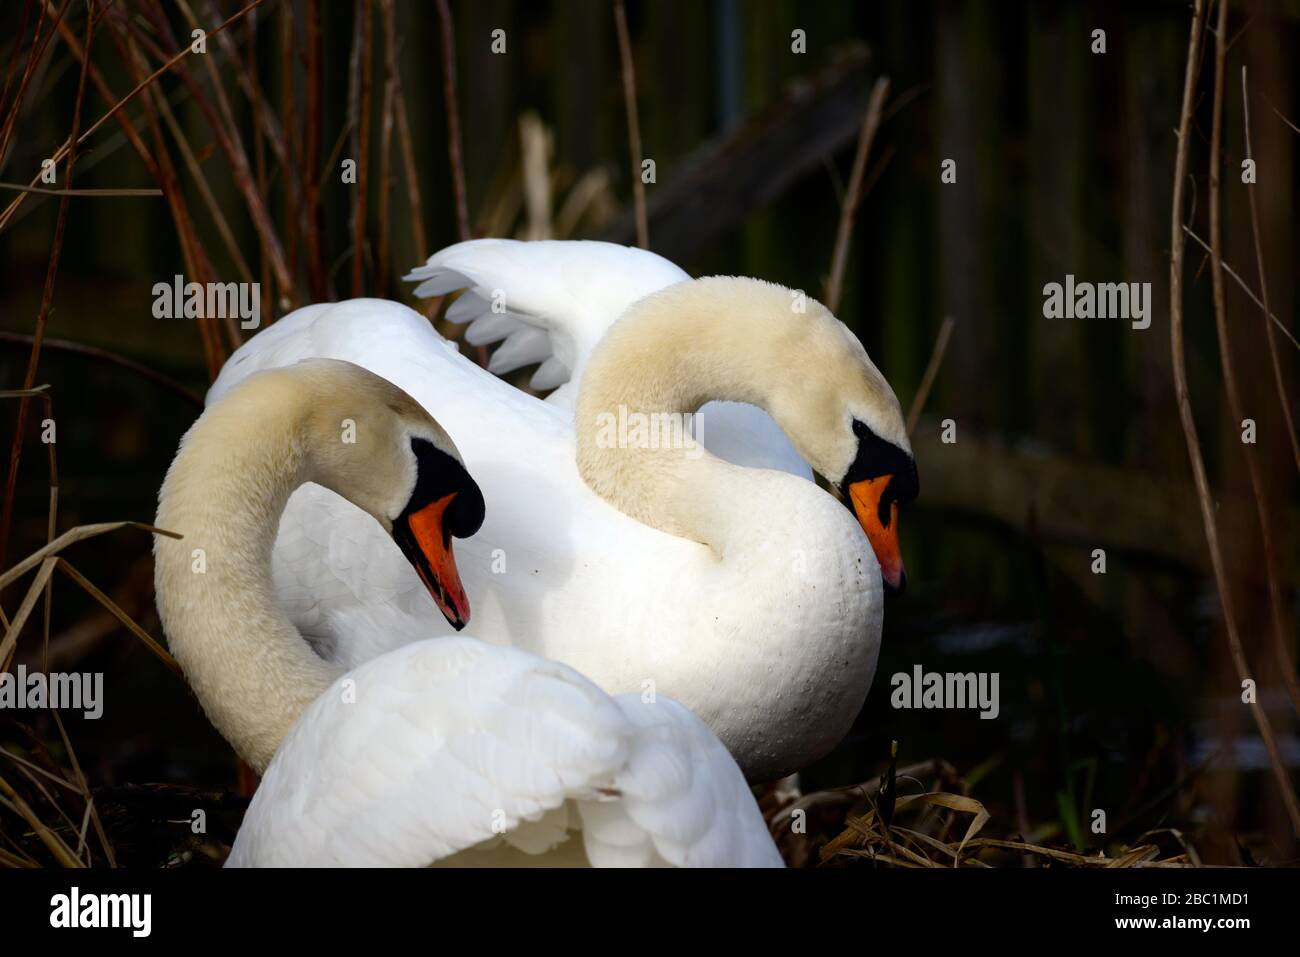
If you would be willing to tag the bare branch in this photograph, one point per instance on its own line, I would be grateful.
(931, 371)
(853, 196)
(1203, 493)
(1283, 399)
(448, 29)
(633, 124)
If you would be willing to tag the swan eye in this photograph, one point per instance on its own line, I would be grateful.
(437, 476)
(859, 428)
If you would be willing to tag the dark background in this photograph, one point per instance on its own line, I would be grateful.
(1117, 691)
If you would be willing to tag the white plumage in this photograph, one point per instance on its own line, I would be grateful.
(549, 300)
(461, 753)
(765, 622)
(448, 750)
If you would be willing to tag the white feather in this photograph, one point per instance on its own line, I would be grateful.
(445, 749)
(571, 291)
(775, 658)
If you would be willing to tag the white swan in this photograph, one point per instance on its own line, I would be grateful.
(447, 750)
(748, 594)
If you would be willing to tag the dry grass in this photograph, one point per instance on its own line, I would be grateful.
(938, 823)
(41, 808)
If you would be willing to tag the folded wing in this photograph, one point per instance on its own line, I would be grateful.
(452, 745)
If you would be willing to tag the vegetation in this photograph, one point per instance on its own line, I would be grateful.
(1122, 691)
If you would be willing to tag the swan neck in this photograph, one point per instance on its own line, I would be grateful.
(636, 422)
(252, 671)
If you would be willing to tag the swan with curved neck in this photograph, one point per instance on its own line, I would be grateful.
(321, 421)
(747, 593)
(447, 750)
(743, 340)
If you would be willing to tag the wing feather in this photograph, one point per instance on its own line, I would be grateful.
(451, 744)
(570, 291)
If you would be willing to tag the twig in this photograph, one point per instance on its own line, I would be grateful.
(129, 130)
(62, 151)
(91, 814)
(1182, 394)
(1235, 405)
(62, 853)
(127, 621)
(39, 584)
(23, 763)
(453, 120)
(94, 352)
(232, 145)
(155, 104)
(311, 176)
(454, 158)
(35, 54)
(1285, 120)
(1263, 284)
(853, 196)
(410, 174)
(931, 371)
(42, 392)
(288, 107)
(49, 796)
(205, 191)
(48, 558)
(387, 120)
(263, 184)
(82, 192)
(47, 297)
(195, 257)
(13, 58)
(71, 537)
(50, 562)
(633, 124)
(1250, 293)
(363, 51)
(878, 170)
(246, 78)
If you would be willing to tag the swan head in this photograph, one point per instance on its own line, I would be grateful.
(377, 447)
(758, 342)
(844, 419)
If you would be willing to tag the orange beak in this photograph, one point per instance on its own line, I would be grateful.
(883, 535)
(427, 546)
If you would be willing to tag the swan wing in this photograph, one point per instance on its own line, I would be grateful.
(451, 744)
(683, 801)
(549, 300)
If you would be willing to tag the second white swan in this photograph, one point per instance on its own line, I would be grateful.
(746, 593)
(447, 750)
